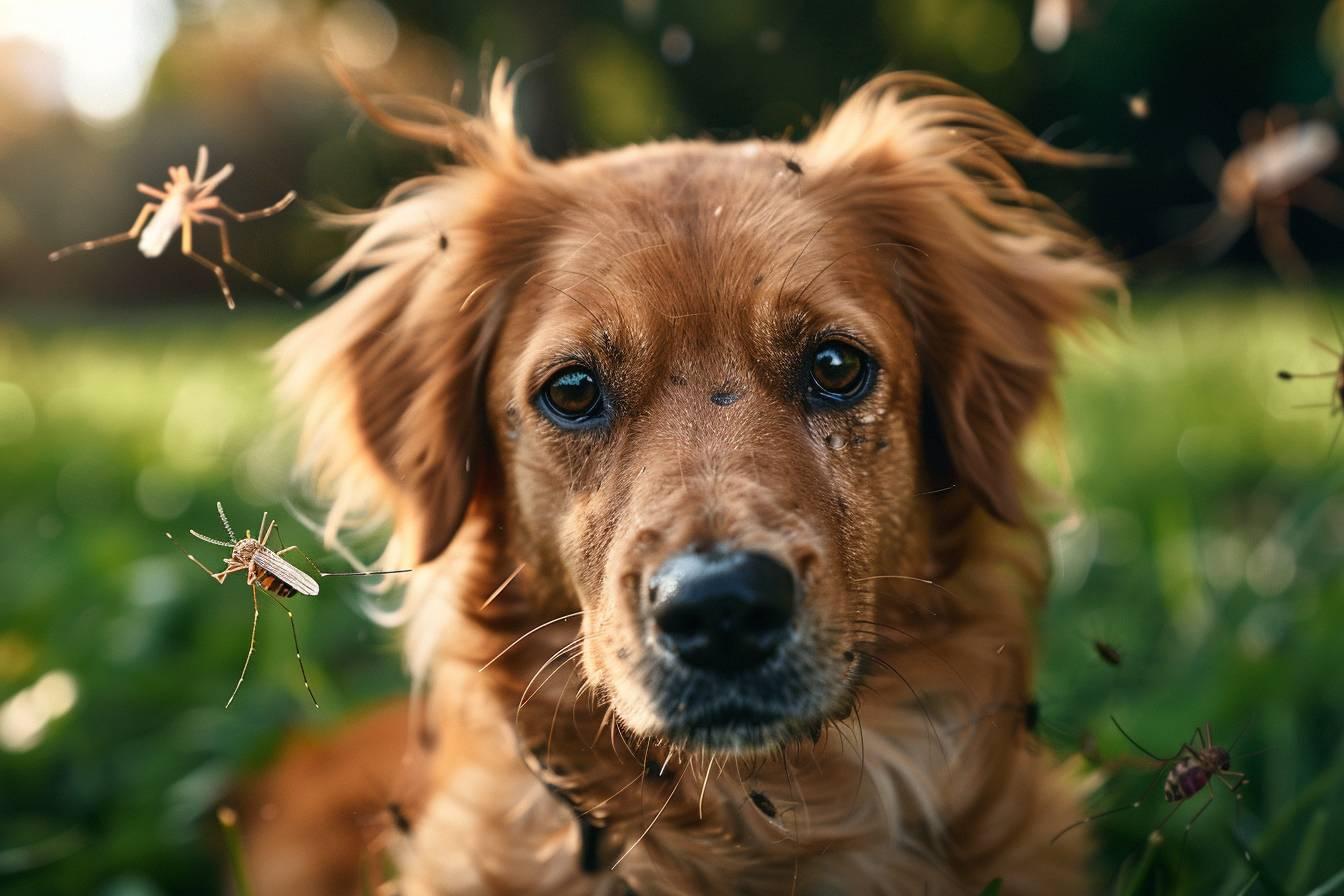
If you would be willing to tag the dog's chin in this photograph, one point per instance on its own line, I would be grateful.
(758, 714)
(739, 730)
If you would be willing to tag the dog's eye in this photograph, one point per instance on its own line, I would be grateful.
(572, 395)
(840, 372)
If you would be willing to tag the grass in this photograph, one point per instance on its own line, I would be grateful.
(1205, 547)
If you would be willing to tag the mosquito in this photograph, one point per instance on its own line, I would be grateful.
(1187, 773)
(1277, 167)
(184, 201)
(277, 577)
(1336, 402)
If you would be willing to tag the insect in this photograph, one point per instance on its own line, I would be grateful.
(1276, 168)
(1107, 652)
(277, 577)
(1187, 773)
(793, 166)
(186, 200)
(763, 803)
(1336, 402)
(399, 819)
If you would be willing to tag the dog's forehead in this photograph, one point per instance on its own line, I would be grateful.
(669, 232)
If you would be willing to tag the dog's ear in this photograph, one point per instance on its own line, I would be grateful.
(389, 379)
(986, 270)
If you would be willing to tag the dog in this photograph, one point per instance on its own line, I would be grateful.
(706, 454)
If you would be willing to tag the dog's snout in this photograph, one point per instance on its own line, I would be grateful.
(721, 610)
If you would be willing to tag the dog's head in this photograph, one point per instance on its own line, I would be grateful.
(703, 391)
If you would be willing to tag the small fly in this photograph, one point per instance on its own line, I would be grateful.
(277, 577)
(1107, 653)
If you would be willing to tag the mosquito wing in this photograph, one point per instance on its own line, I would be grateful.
(285, 571)
(166, 222)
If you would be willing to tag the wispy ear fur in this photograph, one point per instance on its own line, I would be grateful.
(389, 377)
(993, 272)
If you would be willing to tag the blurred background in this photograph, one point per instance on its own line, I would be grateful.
(1208, 523)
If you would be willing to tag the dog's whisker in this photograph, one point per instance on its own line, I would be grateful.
(928, 718)
(631, 783)
(527, 634)
(502, 585)
(789, 273)
(879, 245)
(559, 701)
(923, 644)
(528, 693)
(659, 814)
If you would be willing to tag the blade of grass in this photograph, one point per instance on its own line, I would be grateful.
(1318, 787)
(1305, 860)
(1329, 886)
(1145, 865)
(228, 823)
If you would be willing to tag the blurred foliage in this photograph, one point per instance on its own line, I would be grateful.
(246, 77)
(114, 433)
(1203, 544)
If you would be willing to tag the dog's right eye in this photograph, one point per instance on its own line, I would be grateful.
(571, 396)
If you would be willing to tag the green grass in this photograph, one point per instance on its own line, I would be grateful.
(1206, 548)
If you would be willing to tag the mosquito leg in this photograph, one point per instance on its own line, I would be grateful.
(205, 262)
(1271, 226)
(1319, 344)
(152, 192)
(298, 654)
(1191, 823)
(1157, 778)
(251, 648)
(108, 240)
(266, 212)
(227, 253)
(217, 576)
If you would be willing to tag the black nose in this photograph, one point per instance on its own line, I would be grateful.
(723, 611)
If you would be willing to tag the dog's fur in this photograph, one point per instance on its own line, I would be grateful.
(693, 276)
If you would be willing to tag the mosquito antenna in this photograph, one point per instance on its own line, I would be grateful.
(223, 544)
(1141, 748)
(219, 505)
(202, 157)
(1091, 818)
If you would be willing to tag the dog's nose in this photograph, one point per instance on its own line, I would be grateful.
(721, 610)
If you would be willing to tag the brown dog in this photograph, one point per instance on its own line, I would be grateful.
(743, 420)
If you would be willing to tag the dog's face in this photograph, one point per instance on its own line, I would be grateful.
(705, 407)
(711, 396)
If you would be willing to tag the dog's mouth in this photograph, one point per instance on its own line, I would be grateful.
(767, 709)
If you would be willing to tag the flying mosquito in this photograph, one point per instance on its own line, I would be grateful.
(1278, 167)
(277, 577)
(1336, 402)
(1187, 773)
(184, 201)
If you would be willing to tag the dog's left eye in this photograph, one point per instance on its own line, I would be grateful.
(839, 373)
(571, 396)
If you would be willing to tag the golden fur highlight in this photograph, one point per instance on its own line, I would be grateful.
(928, 784)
